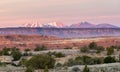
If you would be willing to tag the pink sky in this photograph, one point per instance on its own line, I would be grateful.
(19, 12)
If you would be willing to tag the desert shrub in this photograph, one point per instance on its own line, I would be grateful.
(41, 61)
(109, 59)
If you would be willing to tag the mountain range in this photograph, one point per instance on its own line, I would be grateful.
(89, 25)
(78, 25)
(57, 29)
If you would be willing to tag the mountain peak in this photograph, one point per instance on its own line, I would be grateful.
(85, 22)
(82, 25)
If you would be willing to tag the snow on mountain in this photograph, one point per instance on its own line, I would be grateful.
(54, 24)
(48, 25)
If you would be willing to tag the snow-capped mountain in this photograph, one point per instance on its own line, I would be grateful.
(47, 25)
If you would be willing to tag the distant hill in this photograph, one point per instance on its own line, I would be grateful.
(62, 32)
(82, 25)
(105, 26)
(89, 25)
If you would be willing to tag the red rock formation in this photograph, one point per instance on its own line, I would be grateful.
(31, 41)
